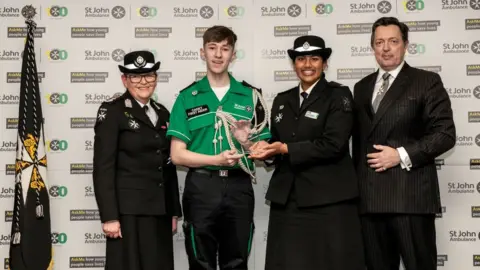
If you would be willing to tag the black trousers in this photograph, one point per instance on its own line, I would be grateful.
(389, 237)
(218, 217)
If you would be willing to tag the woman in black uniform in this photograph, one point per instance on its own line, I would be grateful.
(136, 185)
(314, 222)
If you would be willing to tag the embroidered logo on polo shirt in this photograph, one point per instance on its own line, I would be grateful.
(239, 107)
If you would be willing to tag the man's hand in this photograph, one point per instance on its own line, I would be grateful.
(388, 157)
(174, 224)
(228, 158)
(269, 150)
(112, 229)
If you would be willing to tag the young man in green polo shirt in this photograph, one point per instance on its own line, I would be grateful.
(213, 124)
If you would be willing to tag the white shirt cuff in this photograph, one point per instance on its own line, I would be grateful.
(405, 162)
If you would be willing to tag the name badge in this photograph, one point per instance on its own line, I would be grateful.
(312, 115)
(196, 111)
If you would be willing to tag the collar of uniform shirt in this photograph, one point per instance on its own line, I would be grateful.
(309, 89)
(393, 73)
(141, 104)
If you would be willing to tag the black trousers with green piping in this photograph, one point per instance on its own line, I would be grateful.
(218, 219)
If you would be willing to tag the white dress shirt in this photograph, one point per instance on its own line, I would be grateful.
(308, 91)
(150, 112)
(405, 162)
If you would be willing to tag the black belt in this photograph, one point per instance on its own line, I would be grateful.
(221, 173)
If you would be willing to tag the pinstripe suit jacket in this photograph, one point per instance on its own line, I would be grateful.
(416, 114)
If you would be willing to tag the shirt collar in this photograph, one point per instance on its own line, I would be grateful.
(142, 105)
(393, 73)
(309, 89)
(235, 86)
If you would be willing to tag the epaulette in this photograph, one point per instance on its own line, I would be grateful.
(189, 86)
(244, 83)
(114, 98)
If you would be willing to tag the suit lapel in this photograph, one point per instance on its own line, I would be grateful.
(160, 123)
(314, 95)
(369, 94)
(393, 93)
(294, 100)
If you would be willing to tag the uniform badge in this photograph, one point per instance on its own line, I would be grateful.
(139, 62)
(194, 93)
(249, 108)
(281, 107)
(346, 104)
(133, 124)
(128, 103)
(102, 114)
(278, 118)
(306, 45)
(312, 115)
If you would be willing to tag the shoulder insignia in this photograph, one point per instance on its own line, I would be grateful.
(115, 97)
(346, 104)
(244, 83)
(188, 86)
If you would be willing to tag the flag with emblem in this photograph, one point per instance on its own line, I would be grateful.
(30, 244)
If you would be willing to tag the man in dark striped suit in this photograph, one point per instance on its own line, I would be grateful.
(403, 122)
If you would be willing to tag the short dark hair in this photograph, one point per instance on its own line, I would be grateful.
(219, 33)
(385, 21)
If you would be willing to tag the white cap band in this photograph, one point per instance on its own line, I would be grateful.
(132, 66)
(309, 49)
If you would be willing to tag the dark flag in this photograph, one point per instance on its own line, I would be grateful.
(31, 241)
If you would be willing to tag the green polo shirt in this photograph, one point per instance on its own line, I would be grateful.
(192, 119)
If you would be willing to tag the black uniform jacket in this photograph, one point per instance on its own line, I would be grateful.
(318, 162)
(132, 172)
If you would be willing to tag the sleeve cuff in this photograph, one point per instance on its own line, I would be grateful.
(179, 135)
(405, 162)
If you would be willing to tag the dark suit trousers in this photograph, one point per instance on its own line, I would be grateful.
(389, 237)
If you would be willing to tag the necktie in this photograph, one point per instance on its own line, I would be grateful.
(151, 114)
(304, 96)
(381, 92)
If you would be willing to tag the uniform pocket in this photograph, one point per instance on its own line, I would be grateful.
(198, 122)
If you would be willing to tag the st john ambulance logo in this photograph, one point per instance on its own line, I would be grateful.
(294, 10)
(384, 7)
(206, 12)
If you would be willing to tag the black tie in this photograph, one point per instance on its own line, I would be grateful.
(304, 96)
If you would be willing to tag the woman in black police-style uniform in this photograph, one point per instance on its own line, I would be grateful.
(314, 222)
(136, 185)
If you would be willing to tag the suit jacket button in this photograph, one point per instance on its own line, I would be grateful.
(293, 134)
(296, 118)
(160, 168)
(160, 185)
(158, 152)
(157, 136)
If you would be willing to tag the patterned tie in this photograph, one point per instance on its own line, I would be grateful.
(304, 96)
(381, 92)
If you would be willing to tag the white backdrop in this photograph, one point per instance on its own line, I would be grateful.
(80, 43)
